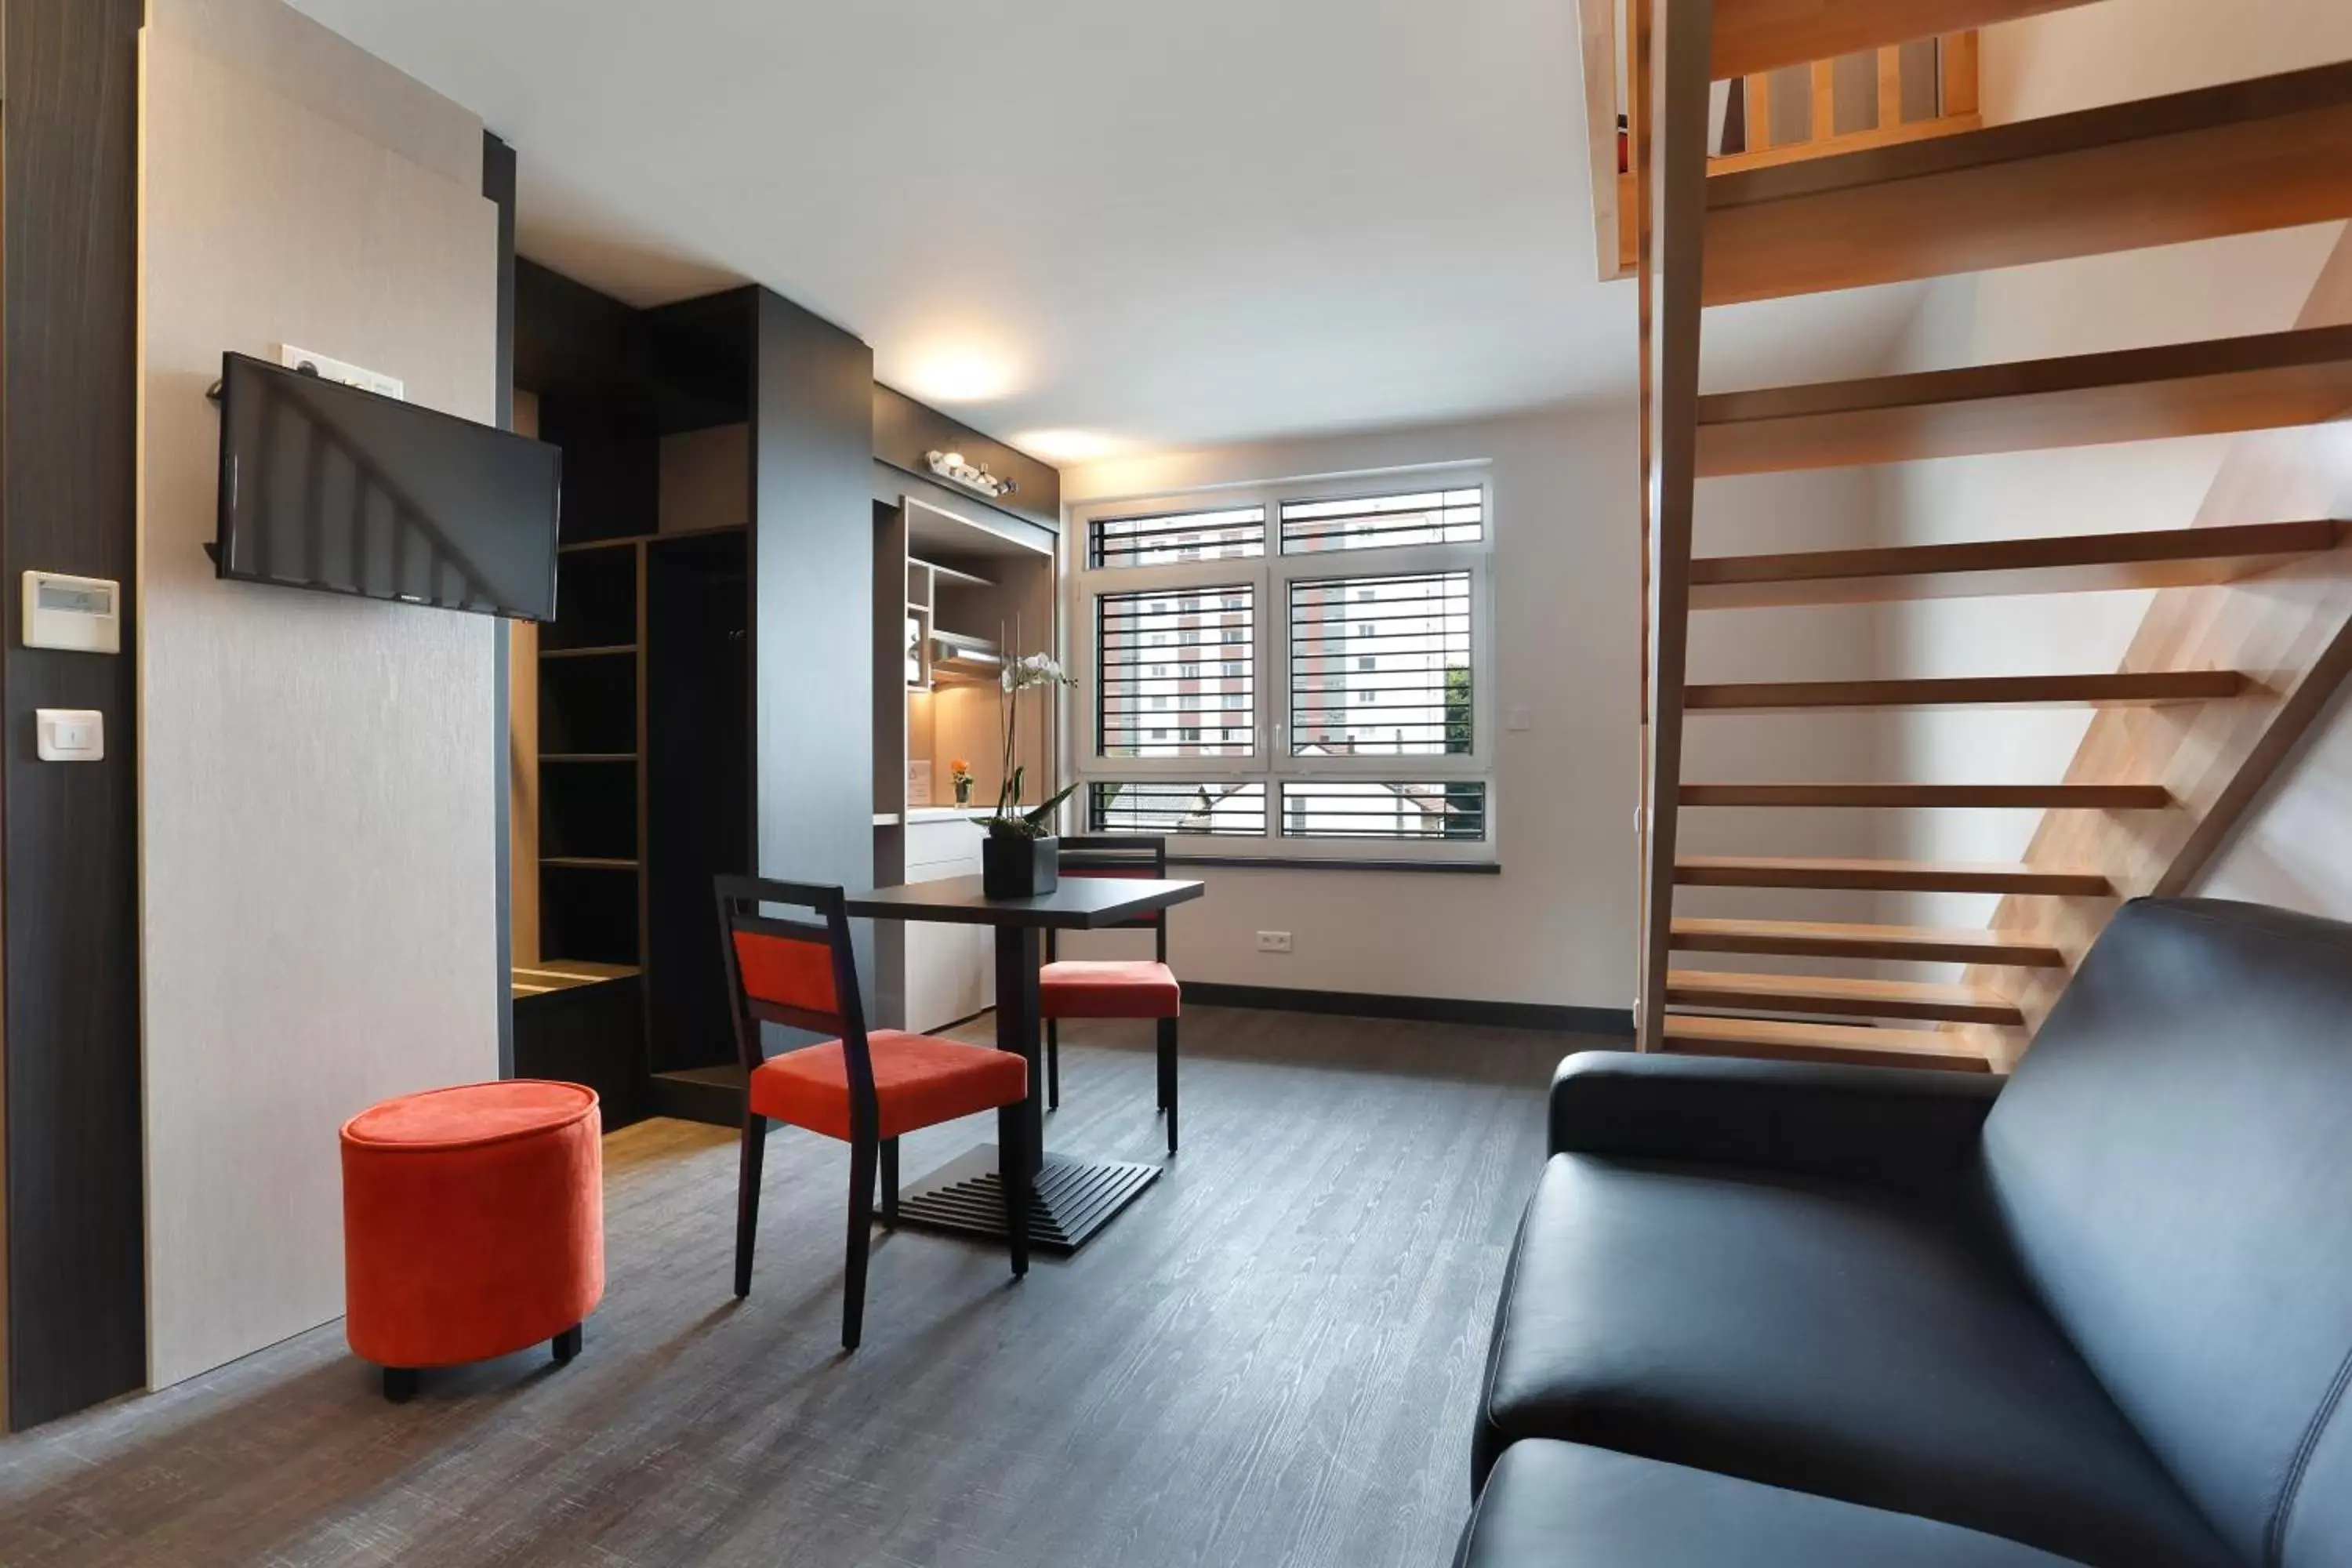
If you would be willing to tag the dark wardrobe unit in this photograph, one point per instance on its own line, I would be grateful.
(703, 697)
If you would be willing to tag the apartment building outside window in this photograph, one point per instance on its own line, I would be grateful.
(1296, 670)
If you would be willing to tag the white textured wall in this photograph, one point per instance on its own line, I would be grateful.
(2067, 60)
(1557, 925)
(316, 837)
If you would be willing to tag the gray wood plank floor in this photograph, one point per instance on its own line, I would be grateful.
(1271, 1359)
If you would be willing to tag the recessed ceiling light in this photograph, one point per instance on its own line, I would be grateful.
(1067, 445)
(959, 373)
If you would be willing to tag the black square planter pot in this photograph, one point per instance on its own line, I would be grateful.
(1014, 867)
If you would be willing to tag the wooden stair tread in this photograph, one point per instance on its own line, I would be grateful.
(2090, 562)
(2243, 156)
(1884, 876)
(2267, 381)
(1700, 1034)
(1761, 34)
(1958, 1004)
(2042, 798)
(2127, 689)
(1830, 939)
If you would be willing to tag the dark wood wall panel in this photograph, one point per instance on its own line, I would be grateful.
(812, 574)
(76, 1319)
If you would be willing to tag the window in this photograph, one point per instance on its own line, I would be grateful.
(1371, 522)
(1125, 624)
(1368, 739)
(1423, 687)
(1224, 808)
(1436, 809)
(1235, 534)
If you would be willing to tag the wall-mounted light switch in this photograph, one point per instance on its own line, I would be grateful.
(69, 734)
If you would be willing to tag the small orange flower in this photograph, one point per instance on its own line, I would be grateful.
(957, 765)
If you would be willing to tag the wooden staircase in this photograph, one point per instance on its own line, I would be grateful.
(2250, 629)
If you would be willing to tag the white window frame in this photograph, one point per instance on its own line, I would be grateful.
(1270, 577)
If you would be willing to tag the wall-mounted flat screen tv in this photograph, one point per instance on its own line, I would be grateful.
(326, 486)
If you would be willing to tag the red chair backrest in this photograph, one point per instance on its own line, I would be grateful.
(789, 978)
(1142, 857)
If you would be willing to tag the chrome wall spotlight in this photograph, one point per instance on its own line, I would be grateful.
(952, 466)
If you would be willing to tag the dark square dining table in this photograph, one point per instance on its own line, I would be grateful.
(1072, 1199)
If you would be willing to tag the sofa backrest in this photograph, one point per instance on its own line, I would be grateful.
(2173, 1165)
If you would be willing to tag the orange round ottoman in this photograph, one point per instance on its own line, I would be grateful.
(473, 1224)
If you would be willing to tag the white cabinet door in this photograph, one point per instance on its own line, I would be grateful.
(951, 969)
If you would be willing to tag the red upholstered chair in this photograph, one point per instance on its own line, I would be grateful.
(864, 1089)
(1113, 988)
(473, 1224)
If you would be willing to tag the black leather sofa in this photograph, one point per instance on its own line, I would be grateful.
(1769, 1313)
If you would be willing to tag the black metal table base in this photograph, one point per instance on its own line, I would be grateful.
(1070, 1200)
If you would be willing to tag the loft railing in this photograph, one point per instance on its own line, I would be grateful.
(1876, 98)
(1907, 92)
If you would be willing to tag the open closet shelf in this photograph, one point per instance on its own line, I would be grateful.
(952, 574)
(619, 539)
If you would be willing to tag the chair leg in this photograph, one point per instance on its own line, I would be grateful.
(1015, 1175)
(747, 1200)
(1167, 1077)
(862, 1153)
(400, 1384)
(566, 1345)
(890, 1181)
(1052, 1064)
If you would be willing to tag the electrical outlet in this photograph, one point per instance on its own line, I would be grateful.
(1273, 942)
(349, 374)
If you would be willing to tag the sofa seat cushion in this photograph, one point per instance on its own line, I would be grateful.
(1567, 1505)
(1825, 1338)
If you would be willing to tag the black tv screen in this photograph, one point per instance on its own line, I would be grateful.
(325, 486)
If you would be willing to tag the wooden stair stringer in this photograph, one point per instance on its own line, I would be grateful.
(2290, 630)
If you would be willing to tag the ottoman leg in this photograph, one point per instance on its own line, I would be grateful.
(566, 1344)
(400, 1384)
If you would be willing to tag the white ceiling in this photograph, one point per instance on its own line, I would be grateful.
(1167, 223)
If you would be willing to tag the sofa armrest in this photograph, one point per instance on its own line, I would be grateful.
(1914, 1129)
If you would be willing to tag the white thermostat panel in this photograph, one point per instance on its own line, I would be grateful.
(82, 615)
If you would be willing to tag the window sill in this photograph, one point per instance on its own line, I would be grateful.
(1329, 863)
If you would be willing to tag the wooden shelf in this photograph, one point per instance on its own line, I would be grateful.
(2138, 689)
(950, 574)
(1824, 939)
(2264, 382)
(1697, 1035)
(564, 974)
(1761, 34)
(2090, 562)
(588, 756)
(2022, 798)
(1861, 998)
(586, 863)
(1884, 876)
(618, 540)
(604, 650)
(2245, 156)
